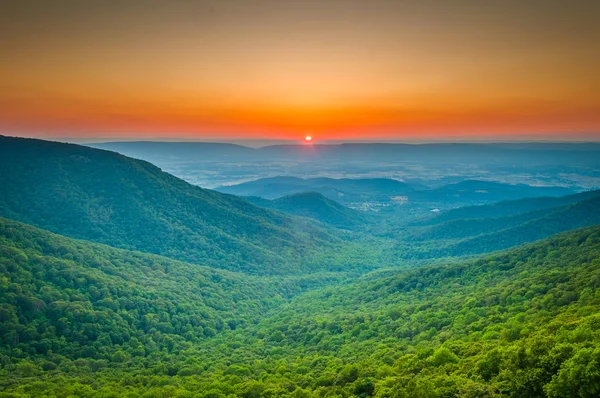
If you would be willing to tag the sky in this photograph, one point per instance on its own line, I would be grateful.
(281, 70)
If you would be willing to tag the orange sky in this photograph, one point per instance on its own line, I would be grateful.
(371, 69)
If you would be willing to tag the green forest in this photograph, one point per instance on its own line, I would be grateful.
(120, 280)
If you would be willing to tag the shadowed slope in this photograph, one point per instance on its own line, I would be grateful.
(108, 198)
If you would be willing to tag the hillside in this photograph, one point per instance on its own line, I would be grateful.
(108, 198)
(520, 323)
(511, 207)
(314, 205)
(479, 192)
(71, 297)
(474, 236)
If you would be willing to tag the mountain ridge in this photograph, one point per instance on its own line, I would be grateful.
(314, 205)
(109, 198)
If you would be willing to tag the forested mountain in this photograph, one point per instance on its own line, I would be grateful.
(475, 191)
(481, 235)
(77, 298)
(108, 198)
(343, 190)
(317, 206)
(511, 207)
(523, 323)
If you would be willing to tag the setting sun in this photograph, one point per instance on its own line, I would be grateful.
(308, 138)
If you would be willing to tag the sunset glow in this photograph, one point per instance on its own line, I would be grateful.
(273, 69)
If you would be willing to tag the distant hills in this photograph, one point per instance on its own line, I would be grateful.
(474, 191)
(314, 205)
(525, 153)
(105, 197)
(382, 190)
(343, 190)
(456, 232)
(422, 166)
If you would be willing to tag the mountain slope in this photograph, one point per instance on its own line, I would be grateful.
(108, 198)
(314, 205)
(522, 323)
(561, 219)
(511, 207)
(474, 236)
(68, 296)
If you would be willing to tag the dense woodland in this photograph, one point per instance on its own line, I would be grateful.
(85, 319)
(119, 280)
(467, 236)
(318, 207)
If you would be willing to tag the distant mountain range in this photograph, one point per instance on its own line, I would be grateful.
(343, 190)
(423, 166)
(473, 191)
(316, 206)
(353, 191)
(552, 153)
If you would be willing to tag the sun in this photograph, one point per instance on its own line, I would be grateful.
(308, 138)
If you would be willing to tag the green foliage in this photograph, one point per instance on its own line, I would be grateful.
(81, 300)
(523, 323)
(511, 207)
(470, 236)
(314, 205)
(81, 319)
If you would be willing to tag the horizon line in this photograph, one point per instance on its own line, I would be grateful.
(264, 142)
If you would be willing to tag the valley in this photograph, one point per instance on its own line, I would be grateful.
(299, 199)
(119, 279)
